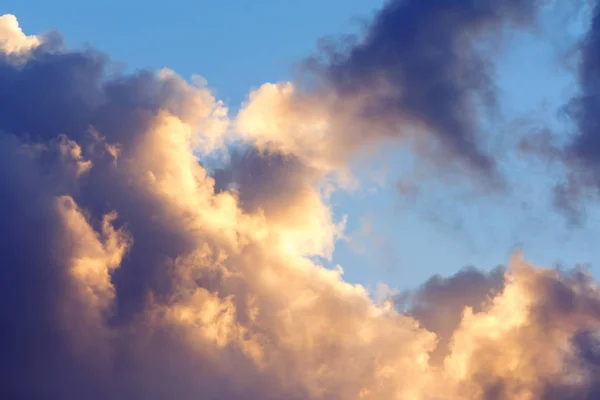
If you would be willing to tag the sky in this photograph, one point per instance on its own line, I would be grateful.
(206, 38)
(273, 199)
(237, 46)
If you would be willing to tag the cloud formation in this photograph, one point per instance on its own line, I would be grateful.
(421, 76)
(419, 61)
(12, 39)
(129, 272)
(582, 154)
(439, 304)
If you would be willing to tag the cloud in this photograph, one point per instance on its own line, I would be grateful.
(582, 154)
(438, 304)
(12, 39)
(131, 272)
(288, 193)
(422, 64)
(420, 77)
(536, 318)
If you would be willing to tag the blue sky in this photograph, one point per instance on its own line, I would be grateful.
(239, 44)
(234, 44)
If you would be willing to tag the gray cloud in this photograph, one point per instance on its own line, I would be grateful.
(439, 303)
(582, 155)
(421, 63)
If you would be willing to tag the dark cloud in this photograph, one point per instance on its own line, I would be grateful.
(587, 346)
(31, 283)
(265, 180)
(438, 304)
(64, 92)
(582, 156)
(584, 109)
(56, 94)
(421, 62)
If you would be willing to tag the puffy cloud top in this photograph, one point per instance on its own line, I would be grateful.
(12, 38)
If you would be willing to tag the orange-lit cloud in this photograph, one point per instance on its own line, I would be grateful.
(131, 272)
(12, 39)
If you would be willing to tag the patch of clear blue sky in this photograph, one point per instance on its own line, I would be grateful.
(234, 44)
(239, 44)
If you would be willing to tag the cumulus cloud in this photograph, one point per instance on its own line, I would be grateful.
(288, 193)
(131, 272)
(12, 39)
(438, 305)
(421, 74)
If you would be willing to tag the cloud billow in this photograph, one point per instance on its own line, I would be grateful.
(427, 64)
(129, 272)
